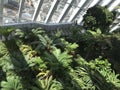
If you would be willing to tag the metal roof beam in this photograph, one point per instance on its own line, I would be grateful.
(85, 9)
(51, 11)
(112, 6)
(100, 1)
(20, 9)
(1, 12)
(110, 3)
(83, 3)
(65, 10)
(37, 10)
(106, 3)
(115, 27)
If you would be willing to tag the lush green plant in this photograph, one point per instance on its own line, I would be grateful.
(49, 84)
(6, 32)
(12, 83)
(57, 57)
(100, 74)
(28, 35)
(55, 63)
(98, 17)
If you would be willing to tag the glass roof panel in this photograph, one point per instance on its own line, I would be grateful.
(44, 10)
(11, 11)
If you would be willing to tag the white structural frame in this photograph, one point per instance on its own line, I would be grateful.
(51, 11)
(103, 4)
(1, 11)
(37, 10)
(116, 23)
(112, 6)
(83, 11)
(110, 3)
(65, 10)
(20, 9)
(83, 3)
(79, 11)
(115, 27)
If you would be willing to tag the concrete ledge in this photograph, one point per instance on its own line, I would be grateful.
(28, 25)
(51, 28)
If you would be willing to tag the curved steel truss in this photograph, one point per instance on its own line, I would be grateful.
(49, 11)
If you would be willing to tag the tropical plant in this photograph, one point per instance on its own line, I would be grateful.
(49, 83)
(6, 32)
(99, 74)
(98, 17)
(47, 62)
(58, 58)
(12, 83)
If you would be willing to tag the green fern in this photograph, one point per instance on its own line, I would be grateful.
(12, 83)
(49, 83)
(6, 32)
(57, 57)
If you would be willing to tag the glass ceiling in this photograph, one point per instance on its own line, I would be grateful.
(50, 11)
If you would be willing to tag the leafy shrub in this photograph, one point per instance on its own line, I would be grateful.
(53, 63)
(6, 32)
(12, 83)
(98, 17)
